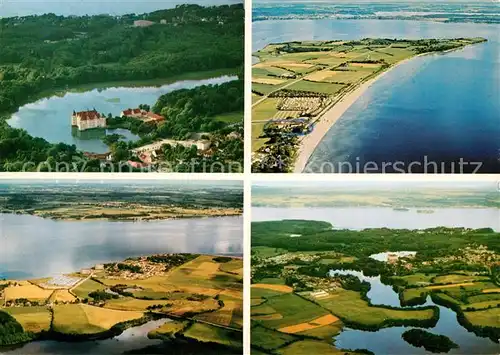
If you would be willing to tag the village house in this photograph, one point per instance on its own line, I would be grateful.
(142, 115)
(88, 120)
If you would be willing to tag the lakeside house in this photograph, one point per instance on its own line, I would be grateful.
(142, 115)
(88, 120)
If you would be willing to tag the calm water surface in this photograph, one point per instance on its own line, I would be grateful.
(443, 107)
(388, 340)
(371, 217)
(130, 339)
(50, 118)
(32, 247)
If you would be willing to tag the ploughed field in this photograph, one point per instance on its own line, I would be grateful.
(203, 295)
(296, 307)
(303, 79)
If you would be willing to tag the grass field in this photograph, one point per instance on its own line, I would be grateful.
(310, 347)
(458, 279)
(293, 309)
(349, 305)
(33, 319)
(85, 319)
(274, 287)
(206, 333)
(324, 88)
(62, 296)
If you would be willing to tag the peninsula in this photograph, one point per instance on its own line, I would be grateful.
(119, 202)
(196, 299)
(300, 89)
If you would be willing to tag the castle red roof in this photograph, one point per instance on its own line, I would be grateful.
(88, 115)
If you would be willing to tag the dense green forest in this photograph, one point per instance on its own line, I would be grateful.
(47, 53)
(317, 236)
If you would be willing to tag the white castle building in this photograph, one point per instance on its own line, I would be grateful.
(87, 120)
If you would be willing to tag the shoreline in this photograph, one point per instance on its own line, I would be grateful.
(327, 120)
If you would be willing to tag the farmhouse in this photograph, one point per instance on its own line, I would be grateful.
(142, 115)
(87, 120)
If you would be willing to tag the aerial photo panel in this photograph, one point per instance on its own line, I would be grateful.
(121, 86)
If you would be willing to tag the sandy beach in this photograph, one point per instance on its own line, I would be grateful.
(323, 124)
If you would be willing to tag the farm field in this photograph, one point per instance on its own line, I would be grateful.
(202, 294)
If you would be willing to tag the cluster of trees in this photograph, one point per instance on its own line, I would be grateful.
(101, 295)
(430, 342)
(127, 267)
(11, 332)
(192, 110)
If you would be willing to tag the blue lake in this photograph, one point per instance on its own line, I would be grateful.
(436, 108)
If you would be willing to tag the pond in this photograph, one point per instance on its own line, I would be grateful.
(389, 341)
(34, 247)
(50, 118)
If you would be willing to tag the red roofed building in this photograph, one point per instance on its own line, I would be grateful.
(142, 115)
(87, 120)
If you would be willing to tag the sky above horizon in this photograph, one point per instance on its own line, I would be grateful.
(11, 8)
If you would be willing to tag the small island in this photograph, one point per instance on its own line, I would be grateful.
(430, 342)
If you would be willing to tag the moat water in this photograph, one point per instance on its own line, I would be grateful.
(50, 118)
(388, 341)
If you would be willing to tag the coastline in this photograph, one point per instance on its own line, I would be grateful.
(322, 125)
